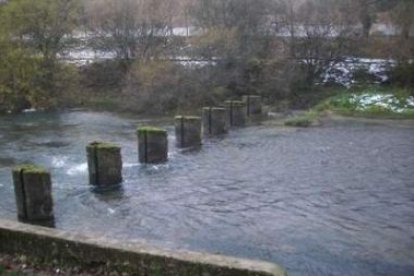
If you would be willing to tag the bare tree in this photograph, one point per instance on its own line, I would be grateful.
(237, 35)
(131, 28)
(365, 11)
(319, 37)
(248, 19)
(45, 26)
(402, 17)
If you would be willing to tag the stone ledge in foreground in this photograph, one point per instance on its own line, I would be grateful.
(137, 259)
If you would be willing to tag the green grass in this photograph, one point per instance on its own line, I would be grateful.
(373, 102)
(367, 102)
(305, 120)
(13, 273)
(4, 272)
(102, 103)
(375, 113)
(298, 122)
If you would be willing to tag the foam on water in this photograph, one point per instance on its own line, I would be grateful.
(77, 169)
(329, 200)
(59, 161)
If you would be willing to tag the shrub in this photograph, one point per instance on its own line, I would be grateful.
(159, 87)
(403, 75)
(298, 122)
(304, 120)
(18, 73)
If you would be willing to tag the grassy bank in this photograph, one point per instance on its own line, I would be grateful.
(19, 265)
(371, 102)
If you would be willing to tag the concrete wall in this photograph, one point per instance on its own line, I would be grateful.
(136, 259)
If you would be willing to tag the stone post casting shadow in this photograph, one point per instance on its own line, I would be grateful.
(152, 145)
(104, 164)
(214, 121)
(33, 191)
(188, 131)
(236, 113)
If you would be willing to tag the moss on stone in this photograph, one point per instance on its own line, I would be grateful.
(251, 97)
(188, 118)
(150, 129)
(213, 108)
(30, 168)
(103, 145)
(235, 103)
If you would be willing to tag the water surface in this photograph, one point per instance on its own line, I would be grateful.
(331, 200)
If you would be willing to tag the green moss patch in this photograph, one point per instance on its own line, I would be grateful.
(30, 168)
(214, 108)
(103, 145)
(245, 98)
(298, 122)
(235, 103)
(304, 120)
(150, 129)
(187, 118)
(398, 104)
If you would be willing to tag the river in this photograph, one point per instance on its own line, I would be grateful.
(337, 199)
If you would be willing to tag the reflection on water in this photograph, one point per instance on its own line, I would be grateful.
(333, 200)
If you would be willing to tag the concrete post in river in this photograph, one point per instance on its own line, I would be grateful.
(104, 164)
(214, 121)
(152, 145)
(33, 191)
(188, 131)
(253, 105)
(236, 113)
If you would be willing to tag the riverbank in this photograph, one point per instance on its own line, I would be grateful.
(102, 256)
(19, 264)
(374, 103)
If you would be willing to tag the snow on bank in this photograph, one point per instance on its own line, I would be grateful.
(345, 72)
(386, 101)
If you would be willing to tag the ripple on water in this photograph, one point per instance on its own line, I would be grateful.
(59, 161)
(331, 200)
(77, 169)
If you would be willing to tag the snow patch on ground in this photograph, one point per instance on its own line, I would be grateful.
(345, 72)
(386, 101)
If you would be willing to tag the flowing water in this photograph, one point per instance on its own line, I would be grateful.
(331, 200)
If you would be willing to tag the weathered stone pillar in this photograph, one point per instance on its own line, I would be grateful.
(152, 145)
(236, 113)
(104, 164)
(33, 191)
(188, 131)
(253, 105)
(214, 121)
